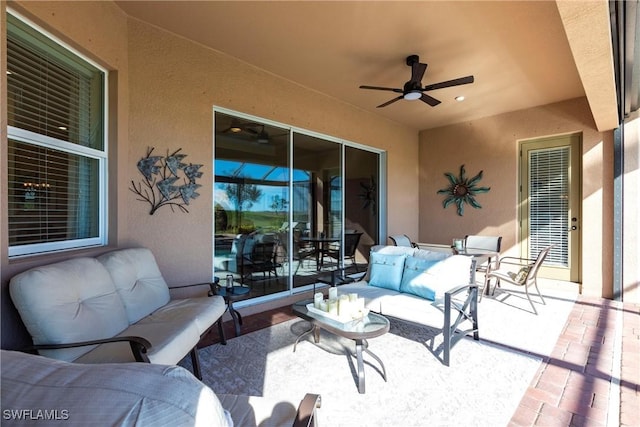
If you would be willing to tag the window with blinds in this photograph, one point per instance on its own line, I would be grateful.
(549, 203)
(56, 150)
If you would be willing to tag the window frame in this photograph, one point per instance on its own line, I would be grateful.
(102, 156)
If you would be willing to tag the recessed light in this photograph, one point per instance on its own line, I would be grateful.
(9, 72)
(459, 98)
(62, 127)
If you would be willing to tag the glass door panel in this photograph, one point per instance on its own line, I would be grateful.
(251, 202)
(316, 207)
(362, 202)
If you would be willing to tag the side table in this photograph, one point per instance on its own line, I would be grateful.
(337, 277)
(236, 293)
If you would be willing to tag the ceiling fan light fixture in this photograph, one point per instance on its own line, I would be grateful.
(413, 95)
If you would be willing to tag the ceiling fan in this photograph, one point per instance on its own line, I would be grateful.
(261, 136)
(413, 89)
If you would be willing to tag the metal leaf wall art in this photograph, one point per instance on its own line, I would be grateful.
(167, 181)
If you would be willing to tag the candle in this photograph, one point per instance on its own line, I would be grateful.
(344, 308)
(324, 306)
(360, 304)
(317, 299)
(333, 306)
(333, 293)
(353, 297)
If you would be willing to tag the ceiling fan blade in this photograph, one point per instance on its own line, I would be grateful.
(417, 71)
(390, 102)
(429, 100)
(381, 88)
(449, 83)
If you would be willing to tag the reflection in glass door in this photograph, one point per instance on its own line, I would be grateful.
(251, 203)
(290, 207)
(362, 204)
(316, 208)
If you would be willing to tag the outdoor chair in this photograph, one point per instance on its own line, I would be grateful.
(253, 254)
(403, 240)
(351, 241)
(489, 243)
(521, 272)
(300, 250)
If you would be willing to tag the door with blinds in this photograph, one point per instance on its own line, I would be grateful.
(550, 201)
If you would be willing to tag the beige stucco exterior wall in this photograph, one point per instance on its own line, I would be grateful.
(491, 144)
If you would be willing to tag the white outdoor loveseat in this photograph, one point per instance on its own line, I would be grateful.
(111, 309)
(435, 289)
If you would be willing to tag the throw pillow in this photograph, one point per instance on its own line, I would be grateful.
(416, 278)
(386, 270)
(521, 275)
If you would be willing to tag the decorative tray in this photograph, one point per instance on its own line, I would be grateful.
(334, 317)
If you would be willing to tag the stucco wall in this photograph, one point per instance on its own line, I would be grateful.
(491, 144)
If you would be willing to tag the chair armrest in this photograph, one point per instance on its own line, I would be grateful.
(212, 286)
(511, 260)
(461, 288)
(305, 417)
(139, 346)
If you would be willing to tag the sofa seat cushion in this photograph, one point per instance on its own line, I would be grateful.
(137, 278)
(258, 411)
(57, 305)
(168, 339)
(201, 311)
(126, 394)
(374, 296)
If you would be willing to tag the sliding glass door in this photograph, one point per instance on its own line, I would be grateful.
(290, 206)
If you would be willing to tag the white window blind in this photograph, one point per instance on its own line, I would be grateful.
(549, 203)
(56, 150)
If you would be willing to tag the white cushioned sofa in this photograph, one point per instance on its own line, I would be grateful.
(436, 289)
(43, 391)
(112, 309)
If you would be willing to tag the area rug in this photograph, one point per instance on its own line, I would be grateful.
(482, 387)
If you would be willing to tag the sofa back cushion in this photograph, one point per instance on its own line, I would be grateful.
(430, 279)
(138, 280)
(387, 250)
(386, 270)
(69, 301)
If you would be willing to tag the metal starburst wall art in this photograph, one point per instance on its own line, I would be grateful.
(161, 174)
(462, 190)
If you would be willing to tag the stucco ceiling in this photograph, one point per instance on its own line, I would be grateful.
(517, 51)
